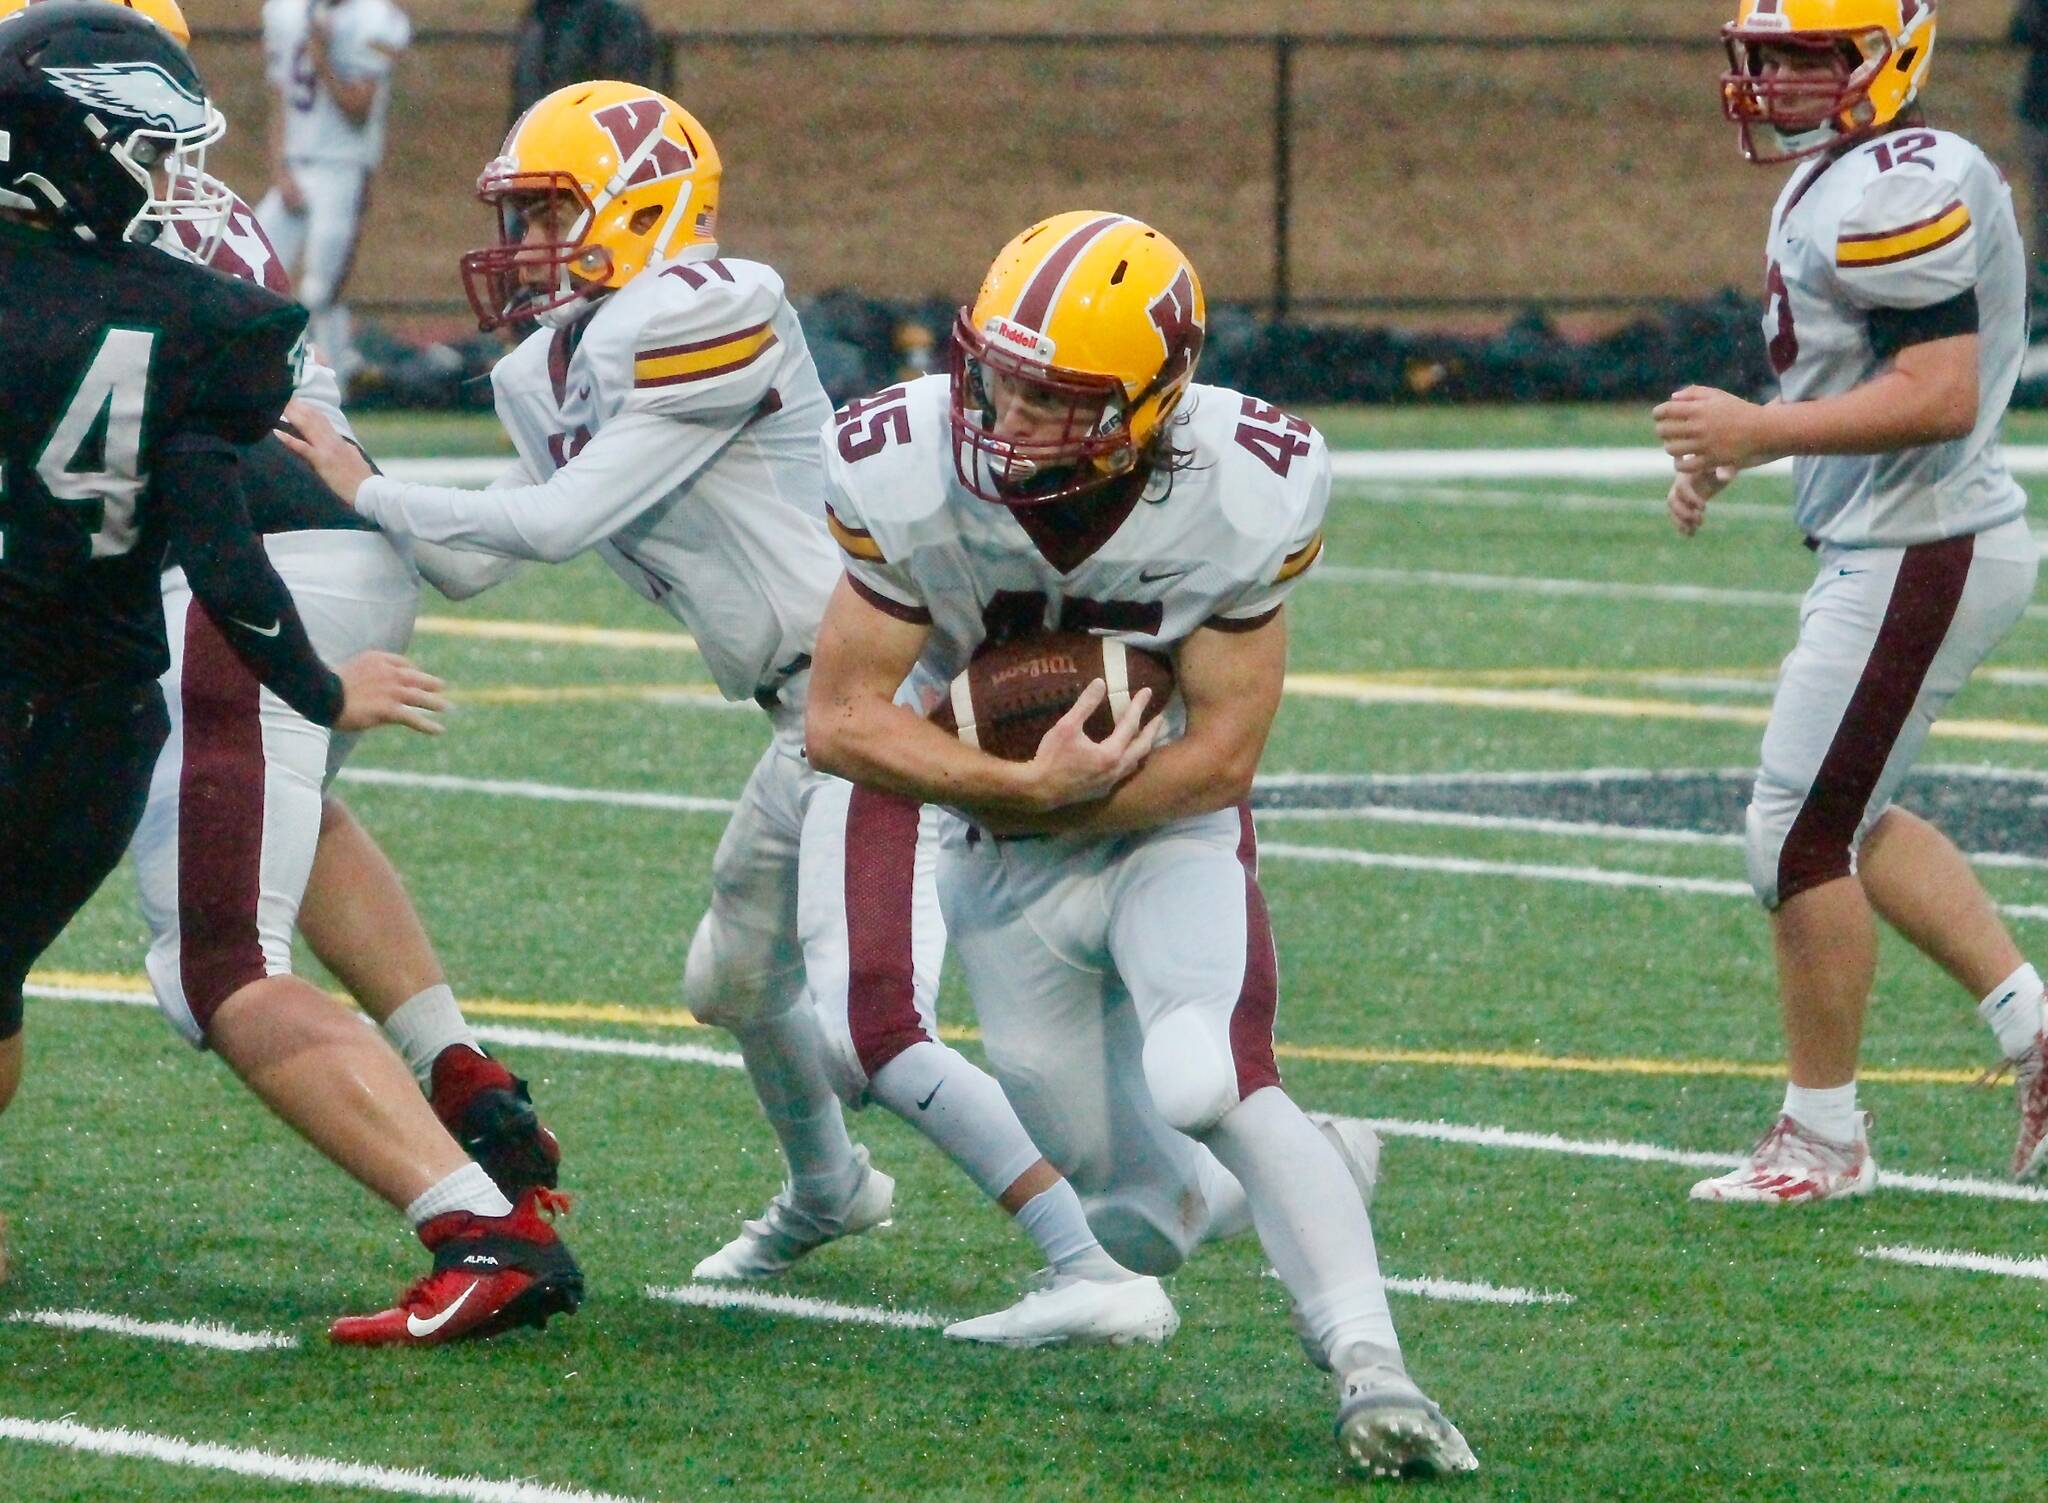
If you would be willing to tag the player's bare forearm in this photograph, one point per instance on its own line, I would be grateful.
(1927, 395)
(1230, 683)
(854, 729)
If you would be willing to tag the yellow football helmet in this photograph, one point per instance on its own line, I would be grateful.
(164, 12)
(1869, 58)
(641, 174)
(1101, 317)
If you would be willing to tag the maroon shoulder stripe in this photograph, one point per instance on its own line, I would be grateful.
(1045, 285)
(915, 615)
(1904, 229)
(702, 344)
(1919, 250)
(726, 369)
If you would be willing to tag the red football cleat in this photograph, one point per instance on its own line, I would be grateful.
(486, 1109)
(491, 1273)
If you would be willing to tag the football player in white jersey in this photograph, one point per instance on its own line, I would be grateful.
(1103, 898)
(666, 415)
(1896, 320)
(330, 63)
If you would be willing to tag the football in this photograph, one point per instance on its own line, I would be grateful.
(1009, 696)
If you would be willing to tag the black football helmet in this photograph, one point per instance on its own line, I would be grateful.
(104, 124)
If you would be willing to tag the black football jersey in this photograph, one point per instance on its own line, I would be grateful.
(107, 351)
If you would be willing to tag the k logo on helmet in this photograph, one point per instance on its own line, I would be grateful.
(645, 154)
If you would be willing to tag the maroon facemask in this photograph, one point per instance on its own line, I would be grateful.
(498, 278)
(1791, 105)
(1093, 446)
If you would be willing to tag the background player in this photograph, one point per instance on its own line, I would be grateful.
(1069, 477)
(667, 415)
(329, 62)
(1896, 320)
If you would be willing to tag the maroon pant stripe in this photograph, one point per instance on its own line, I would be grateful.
(220, 821)
(1251, 1021)
(881, 892)
(1916, 620)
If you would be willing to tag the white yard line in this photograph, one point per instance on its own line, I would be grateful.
(727, 1297)
(1443, 1132)
(681, 803)
(1390, 465)
(1389, 860)
(579, 1043)
(1928, 1257)
(1651, 1153)
(303, 1471)
(204, 1333)
(1460, 866)
(1529, 584)
(1592, 589)
(1460, 1291)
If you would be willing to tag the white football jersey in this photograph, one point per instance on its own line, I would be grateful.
(674, 429)
(1219, 542)
(364, 37)
(1905, 237)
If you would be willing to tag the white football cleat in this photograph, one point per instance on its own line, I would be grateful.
(1071, 1311)
(1387, 1427)
(1358, 1145)
(2030, 1071)
(786, 1231)
(1791, 1166)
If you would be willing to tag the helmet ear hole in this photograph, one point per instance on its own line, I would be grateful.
(645, 219)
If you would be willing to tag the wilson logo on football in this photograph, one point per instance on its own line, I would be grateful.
(1015, 336)
(1037, 668)
(645, 155)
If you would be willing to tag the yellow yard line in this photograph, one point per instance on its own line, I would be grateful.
(545, 694)
(556, 633)
(1361, 688)
(1512, 677)
(1460, 1059)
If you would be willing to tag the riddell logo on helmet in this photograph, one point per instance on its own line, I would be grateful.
(1014, 336)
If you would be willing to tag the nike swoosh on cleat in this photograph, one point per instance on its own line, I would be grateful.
(274, 628)
(928, 1100)
(418, 1329)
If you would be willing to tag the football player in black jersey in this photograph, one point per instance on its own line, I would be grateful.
(134, 377)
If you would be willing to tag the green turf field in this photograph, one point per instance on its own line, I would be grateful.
(1573, 960)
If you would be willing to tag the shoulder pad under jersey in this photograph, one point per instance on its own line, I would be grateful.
(692, 340)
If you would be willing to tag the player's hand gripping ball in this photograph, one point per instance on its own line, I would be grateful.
(1008, 697)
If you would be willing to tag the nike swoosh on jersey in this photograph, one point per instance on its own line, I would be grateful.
(272, 630)
(416, 1328)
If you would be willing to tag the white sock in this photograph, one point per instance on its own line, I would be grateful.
(1230, 1213)
(785, 1058)
(1054, 1220)
(1311, 1222)
(467, 1189)
(959, 1106)
(424, 1026)
(1827, 1112)
(2013, 1010)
